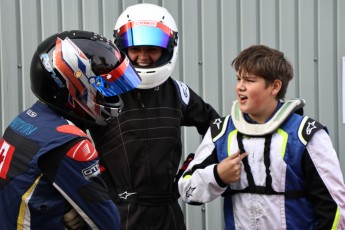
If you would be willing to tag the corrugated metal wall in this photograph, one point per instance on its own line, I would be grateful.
(212, 33)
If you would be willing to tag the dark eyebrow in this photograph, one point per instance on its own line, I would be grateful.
(246, 77)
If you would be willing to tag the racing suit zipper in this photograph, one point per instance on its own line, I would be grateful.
(142, 106)
(140, 100)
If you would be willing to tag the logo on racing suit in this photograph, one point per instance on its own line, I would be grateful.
(189, 191)
(6, 153)
(184, 92)
(31, 113)
(311, 126)
(126, 194)
(91, 171)
(217, 122)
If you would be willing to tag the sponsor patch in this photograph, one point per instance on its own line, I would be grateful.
(308, 128)
(22, 126)
(6, 153)
(91, 171)
(184, 92)
(83, 151)
(31, 113)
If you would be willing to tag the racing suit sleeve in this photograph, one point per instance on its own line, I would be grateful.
(325, 182)
(200, 183)
(199, 113)
(74, 172)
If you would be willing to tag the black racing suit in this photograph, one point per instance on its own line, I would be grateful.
(141, 151)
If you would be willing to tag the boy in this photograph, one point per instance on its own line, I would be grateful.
(276, 168)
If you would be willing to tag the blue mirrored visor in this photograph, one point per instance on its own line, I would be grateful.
(120, 80)
(144, 33)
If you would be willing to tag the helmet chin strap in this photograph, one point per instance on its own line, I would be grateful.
(149, 82)
(288, 107)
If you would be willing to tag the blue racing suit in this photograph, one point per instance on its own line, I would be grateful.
(48, 166)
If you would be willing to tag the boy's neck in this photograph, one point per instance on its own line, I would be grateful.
(252, 120)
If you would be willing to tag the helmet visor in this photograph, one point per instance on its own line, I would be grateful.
(120, 80)
(144, 33)
(76, 67)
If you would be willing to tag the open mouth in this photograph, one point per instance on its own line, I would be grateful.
(143, 64)
(242, 98)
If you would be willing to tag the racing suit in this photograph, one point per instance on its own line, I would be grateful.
(48, 166)
(291, 178)
(141, 151)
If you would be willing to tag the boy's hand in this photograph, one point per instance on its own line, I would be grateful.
(229, 169)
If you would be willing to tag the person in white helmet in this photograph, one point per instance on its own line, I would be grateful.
(141, 150)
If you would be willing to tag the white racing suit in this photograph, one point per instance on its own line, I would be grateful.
(291, 178)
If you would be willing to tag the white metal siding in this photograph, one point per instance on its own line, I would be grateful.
(311, 33)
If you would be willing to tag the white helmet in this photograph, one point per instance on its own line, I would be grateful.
(149, 25)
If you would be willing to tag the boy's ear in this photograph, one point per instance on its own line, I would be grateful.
(276, 86)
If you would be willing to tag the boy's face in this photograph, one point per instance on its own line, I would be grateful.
(255, 97)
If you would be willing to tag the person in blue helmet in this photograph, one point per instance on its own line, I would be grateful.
(141, 149)
(49, 168)
(275, 167)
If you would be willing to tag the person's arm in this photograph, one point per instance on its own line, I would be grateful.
(198, 184)
(74, 172)
(199, 113)
(325, 183)
(205, 178)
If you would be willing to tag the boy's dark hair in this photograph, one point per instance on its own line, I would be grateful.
(267, 63)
